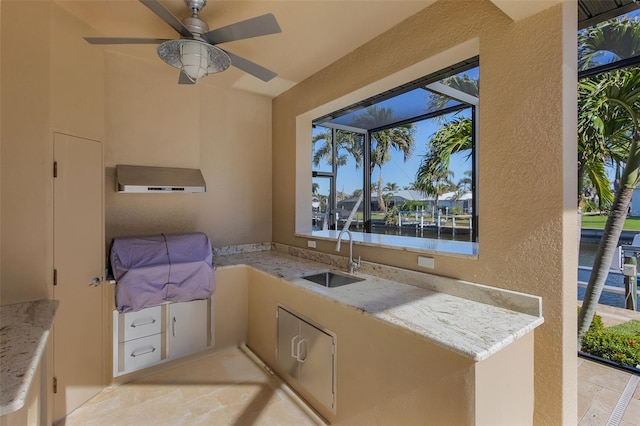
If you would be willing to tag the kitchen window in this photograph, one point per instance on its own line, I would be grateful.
(401, 163)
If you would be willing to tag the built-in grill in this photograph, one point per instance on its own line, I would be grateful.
(154, 269)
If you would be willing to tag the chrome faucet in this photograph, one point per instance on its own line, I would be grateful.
(353, 266)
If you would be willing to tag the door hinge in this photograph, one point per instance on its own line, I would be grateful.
(55, 277)
(55, 169)
(55, 384)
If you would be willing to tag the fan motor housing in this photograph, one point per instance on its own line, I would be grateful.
(196, 25)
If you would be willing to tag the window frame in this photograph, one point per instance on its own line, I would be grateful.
(428, 83)
(302, 151)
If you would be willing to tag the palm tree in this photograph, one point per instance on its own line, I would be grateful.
(593, 152)
(598, 143)
(452, 138)
(464, 184)
(610, 41)
(608, 127)
(400, 138)
(463, 83)
(616, 98)
(390, 186)
(348, 144)
(434, 181)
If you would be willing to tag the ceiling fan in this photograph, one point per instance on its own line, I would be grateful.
(195, 54)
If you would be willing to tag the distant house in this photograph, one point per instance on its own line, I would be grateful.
(400, 197)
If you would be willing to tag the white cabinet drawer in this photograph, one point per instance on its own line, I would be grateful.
(140, 353)
(146, 337)
(141, 323)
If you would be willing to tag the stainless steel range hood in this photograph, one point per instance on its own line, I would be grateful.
(158, 179)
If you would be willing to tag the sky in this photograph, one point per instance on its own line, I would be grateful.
(396, 170)
(407, 105)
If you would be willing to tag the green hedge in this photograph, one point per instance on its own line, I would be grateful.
(611, 344)
(615, 347)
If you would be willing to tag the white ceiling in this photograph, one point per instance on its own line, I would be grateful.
(315, 33)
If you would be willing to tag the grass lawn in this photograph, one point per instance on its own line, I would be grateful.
(598, 222)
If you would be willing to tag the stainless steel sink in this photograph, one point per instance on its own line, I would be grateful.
(331, 279)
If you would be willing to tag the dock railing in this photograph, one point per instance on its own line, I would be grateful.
(624, 263)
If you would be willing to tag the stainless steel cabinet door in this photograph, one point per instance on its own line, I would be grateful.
(306, 353)
(316, 363)
(288, 335)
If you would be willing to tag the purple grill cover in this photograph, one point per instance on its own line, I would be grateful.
(161, 268)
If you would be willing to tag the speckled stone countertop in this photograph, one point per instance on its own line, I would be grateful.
(477, 325)
(24, 330)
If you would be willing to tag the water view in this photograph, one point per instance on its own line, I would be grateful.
(587, 255)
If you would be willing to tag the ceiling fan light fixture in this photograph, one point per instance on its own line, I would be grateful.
(195, 58)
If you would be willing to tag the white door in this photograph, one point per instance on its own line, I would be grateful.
(78, 351)
(187, 328)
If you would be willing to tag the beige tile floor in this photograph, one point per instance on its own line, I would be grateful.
(599, 389)
(229, 388)
(226, 388)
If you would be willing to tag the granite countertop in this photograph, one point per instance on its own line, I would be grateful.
(473, 328)
(24, 330)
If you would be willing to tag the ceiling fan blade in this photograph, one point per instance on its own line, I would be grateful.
(168, 17)
(250, 67)
(124, 40)
(254, 27)
(183, 79)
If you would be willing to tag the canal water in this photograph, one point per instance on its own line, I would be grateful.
(587, 255)
(588, 252)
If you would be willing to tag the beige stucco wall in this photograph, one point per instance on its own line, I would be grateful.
(384, 375)
(57, 86)
(141, 116)
(527, 208)
(527, 146)
(25, 148)
(387, 376)
(226, 133)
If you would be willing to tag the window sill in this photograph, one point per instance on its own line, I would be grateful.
(463, 249)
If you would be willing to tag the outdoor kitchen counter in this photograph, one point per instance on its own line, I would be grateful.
(476, 326)
(24, 331)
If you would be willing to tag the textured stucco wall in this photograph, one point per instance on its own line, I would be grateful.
(153, 121)
(527, 148)
(57, 87)
(141, 116)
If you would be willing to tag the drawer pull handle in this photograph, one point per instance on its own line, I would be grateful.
(148, 350)
(141, 323)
